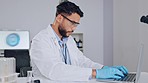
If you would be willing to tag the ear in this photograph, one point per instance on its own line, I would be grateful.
(59, 18)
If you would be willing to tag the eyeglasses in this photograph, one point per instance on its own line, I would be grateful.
(73, 23)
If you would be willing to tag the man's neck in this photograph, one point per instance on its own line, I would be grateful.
(55, 28)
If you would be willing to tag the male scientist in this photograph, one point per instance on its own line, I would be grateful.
(55, 56)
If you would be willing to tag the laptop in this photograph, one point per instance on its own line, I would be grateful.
(131, 77)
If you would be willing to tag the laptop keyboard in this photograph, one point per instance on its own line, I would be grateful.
(131, 77)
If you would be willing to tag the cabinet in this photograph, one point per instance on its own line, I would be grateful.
(78, 37)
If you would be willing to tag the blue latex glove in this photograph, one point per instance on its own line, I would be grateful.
(109, 72)
(121, 68)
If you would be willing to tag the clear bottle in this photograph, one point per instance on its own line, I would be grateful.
(80, 43)
(29, 77)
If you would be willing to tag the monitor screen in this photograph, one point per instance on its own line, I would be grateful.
(14, 40)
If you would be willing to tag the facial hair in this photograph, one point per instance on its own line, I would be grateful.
(63, 32)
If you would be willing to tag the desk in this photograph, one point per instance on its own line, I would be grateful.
(143, 79)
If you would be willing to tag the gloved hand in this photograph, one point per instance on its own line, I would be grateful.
(121, 68)
(109, 72)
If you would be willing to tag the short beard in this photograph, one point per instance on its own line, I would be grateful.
(62, 31)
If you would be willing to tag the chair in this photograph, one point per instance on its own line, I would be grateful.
(22, 60)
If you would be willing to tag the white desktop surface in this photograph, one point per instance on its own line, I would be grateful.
(143, 79)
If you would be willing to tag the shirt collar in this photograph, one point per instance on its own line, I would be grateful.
(60, 41)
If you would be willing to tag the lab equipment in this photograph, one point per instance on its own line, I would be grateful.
(22, 60)
(13, 40)
(29, 77)
(7, 70)
(36, 81)
(144, 19)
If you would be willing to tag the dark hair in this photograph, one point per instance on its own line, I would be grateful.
(68, 8)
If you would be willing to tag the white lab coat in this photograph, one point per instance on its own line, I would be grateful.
(47, 61)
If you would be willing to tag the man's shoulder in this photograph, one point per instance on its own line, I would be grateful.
(44, 33)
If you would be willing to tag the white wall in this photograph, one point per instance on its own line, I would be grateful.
(92, 28)
(129, 32)
(35, 15)
(32, 15)
(143, 10)
(108, 32)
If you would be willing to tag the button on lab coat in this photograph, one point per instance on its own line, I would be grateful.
(47, 61)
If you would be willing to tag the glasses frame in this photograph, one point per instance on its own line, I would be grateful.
(73, 23)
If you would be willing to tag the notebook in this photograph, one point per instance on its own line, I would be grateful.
(131, 77)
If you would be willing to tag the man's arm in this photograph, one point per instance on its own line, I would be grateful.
(116, 72)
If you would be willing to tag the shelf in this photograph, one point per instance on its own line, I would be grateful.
(78, 37)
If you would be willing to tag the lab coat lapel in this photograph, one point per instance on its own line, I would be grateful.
(72, 52)
(70, 46)
(52, 34)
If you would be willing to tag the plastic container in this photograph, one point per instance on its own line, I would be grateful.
(12, 78)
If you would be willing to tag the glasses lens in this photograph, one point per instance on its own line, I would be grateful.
(75, 25)
(72, 23)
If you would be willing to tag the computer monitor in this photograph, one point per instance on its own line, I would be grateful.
(14, 40)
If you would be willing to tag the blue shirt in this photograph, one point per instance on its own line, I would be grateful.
(63, 49)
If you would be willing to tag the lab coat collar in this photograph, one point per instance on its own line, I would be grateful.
(50, 31)
(54, 38)
(61, 41)
(54, 35)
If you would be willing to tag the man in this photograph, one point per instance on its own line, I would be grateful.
(55, 56)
